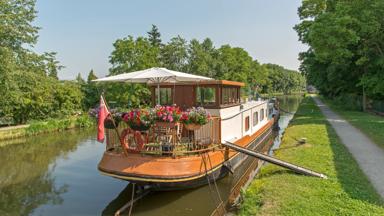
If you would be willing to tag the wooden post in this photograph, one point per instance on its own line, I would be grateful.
(115, 126)
(364, 100)
(273, 160)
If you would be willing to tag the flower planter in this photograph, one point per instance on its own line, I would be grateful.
(192, 126)
(108, 123)
(166, 124)
(140, 127)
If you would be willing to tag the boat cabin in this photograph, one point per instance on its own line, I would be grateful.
(210, 94)
(232, 119)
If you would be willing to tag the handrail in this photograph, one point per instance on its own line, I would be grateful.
(241, 111)
(207, 138)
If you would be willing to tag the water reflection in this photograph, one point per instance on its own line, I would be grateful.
(26, 179)
(288, 105)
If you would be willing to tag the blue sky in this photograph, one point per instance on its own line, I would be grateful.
(82, 32)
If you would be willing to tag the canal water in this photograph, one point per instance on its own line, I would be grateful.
(56, 174)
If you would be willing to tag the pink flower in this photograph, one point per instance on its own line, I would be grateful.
(170, 118)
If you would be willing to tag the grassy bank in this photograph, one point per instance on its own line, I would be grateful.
(370, 124)
(278, 191)
(38, 127)
(280, 94)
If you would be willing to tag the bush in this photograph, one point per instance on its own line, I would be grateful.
(36, 127)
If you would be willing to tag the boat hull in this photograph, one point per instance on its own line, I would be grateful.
(167, 173)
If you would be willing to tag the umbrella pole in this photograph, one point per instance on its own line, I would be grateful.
(158, 93)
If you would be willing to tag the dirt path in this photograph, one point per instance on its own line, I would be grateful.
(367, 154)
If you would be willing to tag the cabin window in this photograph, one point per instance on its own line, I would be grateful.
(255, 118)
(165, 96)
(206, 96)
(230, 95)
(247, 123)
(261, 114)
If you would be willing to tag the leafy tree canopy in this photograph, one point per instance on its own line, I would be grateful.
(345, 40)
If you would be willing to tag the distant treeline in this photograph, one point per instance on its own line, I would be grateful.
(30, 88)
(197, 57)
(346, 47)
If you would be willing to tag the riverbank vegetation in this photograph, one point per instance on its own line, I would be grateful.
(45, 126)
(31, 90)
(278, 191)
(345, 57)
(370, 124)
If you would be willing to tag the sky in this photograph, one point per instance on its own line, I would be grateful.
(82, 32)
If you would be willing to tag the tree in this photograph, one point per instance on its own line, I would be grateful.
(52, 66)
(80, 79)
(28, 81)
(174, 54)
(345, 40)
(90, 91)
(154, 36)
(234, 63)
(131, 54)
(201, 58)
(91, 76)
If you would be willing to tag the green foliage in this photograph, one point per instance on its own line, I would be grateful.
(50, 125)
(277, 191)
(283, 80)
(28, 81)
(201, 58)
(154, 36)
(131, 54)
(345, 42)
(90, 91)
(173, 55)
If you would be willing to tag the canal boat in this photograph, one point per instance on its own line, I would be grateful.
(176, 156)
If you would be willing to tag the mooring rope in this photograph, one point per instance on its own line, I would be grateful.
(133, 195)
(209, 182)
(214, 181)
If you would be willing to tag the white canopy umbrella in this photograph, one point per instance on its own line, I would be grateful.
(153, 75)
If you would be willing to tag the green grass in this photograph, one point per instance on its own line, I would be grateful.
(278, 191)
(46, 126)
(370, 124)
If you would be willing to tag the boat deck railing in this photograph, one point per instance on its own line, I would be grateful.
(157, 141)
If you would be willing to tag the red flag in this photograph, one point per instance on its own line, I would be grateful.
(103, 114)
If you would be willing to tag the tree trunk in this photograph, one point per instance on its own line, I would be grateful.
(364, 100)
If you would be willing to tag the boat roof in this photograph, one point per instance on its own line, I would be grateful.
(204, 82)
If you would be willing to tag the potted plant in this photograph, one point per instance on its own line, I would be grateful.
(194, 118)
(138, 119)
(167, 116)
(111, 122)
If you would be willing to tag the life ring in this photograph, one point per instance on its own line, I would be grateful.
(132, 140)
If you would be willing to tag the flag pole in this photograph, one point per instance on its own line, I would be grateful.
(115, 126)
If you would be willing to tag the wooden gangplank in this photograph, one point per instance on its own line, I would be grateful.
(273, 160)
